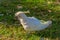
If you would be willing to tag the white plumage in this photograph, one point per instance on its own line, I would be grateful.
(31, 23)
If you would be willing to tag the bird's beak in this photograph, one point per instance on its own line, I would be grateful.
(27, 11)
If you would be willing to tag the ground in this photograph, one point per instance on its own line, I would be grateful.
(10, 28)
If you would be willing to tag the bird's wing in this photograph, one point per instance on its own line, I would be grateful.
(34, 20)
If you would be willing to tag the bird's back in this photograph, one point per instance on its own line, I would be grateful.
(34, 20)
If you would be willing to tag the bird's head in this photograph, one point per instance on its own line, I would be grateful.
(21, 13)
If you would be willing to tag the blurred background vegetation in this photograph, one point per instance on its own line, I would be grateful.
(41, 9)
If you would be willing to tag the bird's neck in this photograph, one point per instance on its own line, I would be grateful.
(23, 20)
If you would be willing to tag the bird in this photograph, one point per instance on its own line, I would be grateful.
(31, 23)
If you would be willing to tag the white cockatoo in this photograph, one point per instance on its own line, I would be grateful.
(31, 23)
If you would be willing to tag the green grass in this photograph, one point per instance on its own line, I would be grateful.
(41, 9)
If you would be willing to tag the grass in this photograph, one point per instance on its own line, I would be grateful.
(41, 9)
